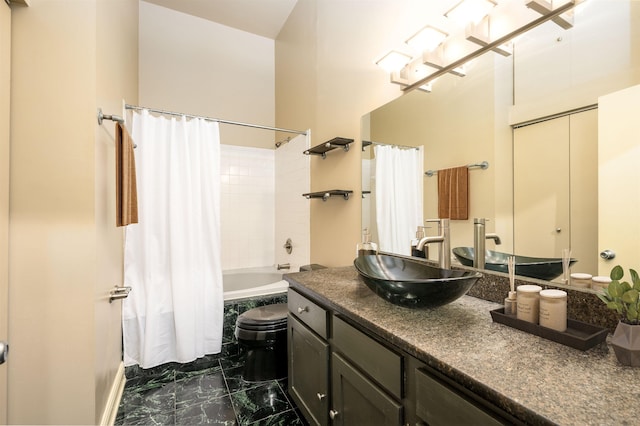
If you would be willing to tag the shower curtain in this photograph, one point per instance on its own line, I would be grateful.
(398, 192)
(172, 256)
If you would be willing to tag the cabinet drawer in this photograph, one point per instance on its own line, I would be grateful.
(379, 362)
(308, 312)
(439, 403)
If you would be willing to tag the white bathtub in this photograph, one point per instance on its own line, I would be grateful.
(252, 282)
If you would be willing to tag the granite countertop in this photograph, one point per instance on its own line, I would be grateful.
(537, 380)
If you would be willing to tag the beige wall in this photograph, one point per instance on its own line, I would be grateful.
(5, 89)
(116, 80)
(326, 80)
(195, 66)
(65, 249)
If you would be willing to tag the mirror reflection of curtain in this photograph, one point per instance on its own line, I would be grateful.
(399, 182)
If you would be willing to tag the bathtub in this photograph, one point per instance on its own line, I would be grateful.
(252, 282)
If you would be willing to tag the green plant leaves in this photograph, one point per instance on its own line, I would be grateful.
(630, 296)
(635, 279)
(617, 273)
(623, 297)
(615, 289)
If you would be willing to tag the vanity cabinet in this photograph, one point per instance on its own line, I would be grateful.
(356, 400)
(340, 374)
(308, 357)
(308, 372)
(440, 401)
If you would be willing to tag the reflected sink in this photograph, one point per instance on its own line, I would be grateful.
(413, 284)
(542, 268)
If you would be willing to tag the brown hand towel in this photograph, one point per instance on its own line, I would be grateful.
(453, 193)
(126, 190)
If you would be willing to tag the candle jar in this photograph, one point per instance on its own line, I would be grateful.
(528, 297)
(580, 279)
(599, 283)
(553, 309)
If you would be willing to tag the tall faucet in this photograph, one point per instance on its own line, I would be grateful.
(479, 238)
(443, 239)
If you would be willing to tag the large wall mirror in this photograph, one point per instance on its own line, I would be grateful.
(534, 117)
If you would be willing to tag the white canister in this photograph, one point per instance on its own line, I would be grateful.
(579, 279)
(598, 283)
(553, 309)
(528, 297)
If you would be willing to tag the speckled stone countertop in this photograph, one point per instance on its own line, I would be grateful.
(536, 380)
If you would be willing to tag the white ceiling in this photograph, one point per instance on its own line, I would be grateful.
(261, 17)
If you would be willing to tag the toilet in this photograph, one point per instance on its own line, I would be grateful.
(262, 335)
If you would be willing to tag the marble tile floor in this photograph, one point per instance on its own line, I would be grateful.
(209, 390)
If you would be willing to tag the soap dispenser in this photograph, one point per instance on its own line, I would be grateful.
(366, 246)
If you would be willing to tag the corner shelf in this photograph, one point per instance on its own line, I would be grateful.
(325, 195)
(334, 143)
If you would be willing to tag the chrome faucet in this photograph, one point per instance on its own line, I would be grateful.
(443, 239)
(479, 238)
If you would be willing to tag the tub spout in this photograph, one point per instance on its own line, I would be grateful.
(284, 266)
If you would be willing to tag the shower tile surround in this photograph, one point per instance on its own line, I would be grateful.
(209, 390)
(247, 205)
(262, 206)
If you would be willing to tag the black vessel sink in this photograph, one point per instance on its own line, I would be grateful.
(413, 284)
(542, 268)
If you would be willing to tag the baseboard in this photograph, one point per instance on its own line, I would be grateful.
(110, 412)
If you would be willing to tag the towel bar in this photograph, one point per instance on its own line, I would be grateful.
(483, 165)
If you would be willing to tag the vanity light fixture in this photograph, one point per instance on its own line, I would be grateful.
(393, 61)
(470, 11)
(427, 39)
(543, 7)
(436, 60)
(480, 34)
(492, 44)
(489, 30)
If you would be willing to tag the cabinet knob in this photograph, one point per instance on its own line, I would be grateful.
(305, 309)
(320, 396)
(333, 414)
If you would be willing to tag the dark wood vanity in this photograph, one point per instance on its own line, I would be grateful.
(356, 359)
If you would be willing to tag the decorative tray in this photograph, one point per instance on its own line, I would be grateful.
(579, 335)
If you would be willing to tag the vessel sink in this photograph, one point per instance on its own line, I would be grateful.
(542, 268)
(413, 284)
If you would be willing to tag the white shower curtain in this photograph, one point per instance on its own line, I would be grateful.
(172, 257)
(398, 192)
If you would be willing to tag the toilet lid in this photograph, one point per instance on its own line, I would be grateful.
(264, 316)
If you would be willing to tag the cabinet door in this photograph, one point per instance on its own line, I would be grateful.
(358, 401)
(308, 372)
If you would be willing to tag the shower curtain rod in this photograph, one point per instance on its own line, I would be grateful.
(367, 143)
(219, 120)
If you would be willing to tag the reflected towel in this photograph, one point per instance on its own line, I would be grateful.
(453, 193)
(126, 190)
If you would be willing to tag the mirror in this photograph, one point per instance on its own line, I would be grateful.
(472, 119)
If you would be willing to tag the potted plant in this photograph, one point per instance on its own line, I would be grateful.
(624, 298)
